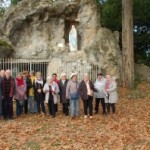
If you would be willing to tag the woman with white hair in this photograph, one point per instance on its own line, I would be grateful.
(38, 85)
(86, 90)
(62, 87)
(111, 94)
(51, 89)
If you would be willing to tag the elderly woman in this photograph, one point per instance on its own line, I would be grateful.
(111, 94)
(72, 93)
(39, 94)
(62, 87)
(51, 89)
(86, 89)
(20, 95)
(100, 95)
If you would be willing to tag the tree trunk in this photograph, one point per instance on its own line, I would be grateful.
(127, 44)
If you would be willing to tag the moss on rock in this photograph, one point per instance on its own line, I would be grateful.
(5, 44)
(6, 50)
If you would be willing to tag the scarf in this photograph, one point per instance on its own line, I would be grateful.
(55, 80)
(107, 84)
(88, 87)
(53, 85)
(20, 82)
(39, 81)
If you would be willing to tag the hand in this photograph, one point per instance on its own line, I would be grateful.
(39, 90)
(46, 91)
(22, 94)
(106, 95)
(53, 93)
(107, 90)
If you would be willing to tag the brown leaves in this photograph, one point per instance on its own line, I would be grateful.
(128, 129)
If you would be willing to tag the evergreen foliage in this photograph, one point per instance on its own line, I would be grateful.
(111, 17)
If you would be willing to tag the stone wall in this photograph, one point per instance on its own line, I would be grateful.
(35, 28)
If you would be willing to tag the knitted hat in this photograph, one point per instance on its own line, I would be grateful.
(73, 74)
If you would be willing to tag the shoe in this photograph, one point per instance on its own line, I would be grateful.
(11, 118)
(85, 116)
(5, 118)
(43, 114)
(104, 113)
(108, 112)
(72, 117)
(96, 112)
(91, 117)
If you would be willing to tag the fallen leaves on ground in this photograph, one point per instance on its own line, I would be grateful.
(128, 129)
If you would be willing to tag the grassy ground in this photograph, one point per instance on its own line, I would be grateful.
(129, 129)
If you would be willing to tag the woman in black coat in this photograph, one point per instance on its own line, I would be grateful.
(62, 88)
(39, 94)
(86, 89)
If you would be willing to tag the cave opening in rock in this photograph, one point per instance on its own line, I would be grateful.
(68, 25)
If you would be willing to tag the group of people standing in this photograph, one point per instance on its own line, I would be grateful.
(34, 94)
(104, 90)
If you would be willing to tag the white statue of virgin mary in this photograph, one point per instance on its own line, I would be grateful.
(73, 39)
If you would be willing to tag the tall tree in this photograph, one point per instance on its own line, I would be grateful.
(127, 44)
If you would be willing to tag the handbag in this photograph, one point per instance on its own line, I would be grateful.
(74, 95)
(55, 98)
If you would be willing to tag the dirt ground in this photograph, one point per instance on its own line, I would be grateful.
(129, 129)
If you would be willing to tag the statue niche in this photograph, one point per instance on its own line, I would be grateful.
(72, 38)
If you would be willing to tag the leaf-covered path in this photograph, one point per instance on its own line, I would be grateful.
(128, 129)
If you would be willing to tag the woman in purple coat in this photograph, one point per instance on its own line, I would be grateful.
(20, 95)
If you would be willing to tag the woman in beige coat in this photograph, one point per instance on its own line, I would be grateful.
(51, 90)
(111, 94)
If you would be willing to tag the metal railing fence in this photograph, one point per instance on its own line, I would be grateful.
(47, 67)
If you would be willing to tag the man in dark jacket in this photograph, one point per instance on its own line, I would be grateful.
(86, 89)
(8, 91)
(62, 87)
